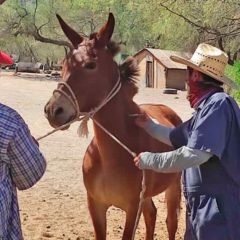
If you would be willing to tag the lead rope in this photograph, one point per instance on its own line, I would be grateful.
(141, 199)
(141, 196)
(83, 130)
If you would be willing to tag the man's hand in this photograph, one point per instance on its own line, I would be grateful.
(141, 119)
(137, 160)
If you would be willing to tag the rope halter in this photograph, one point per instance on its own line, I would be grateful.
(71, 97)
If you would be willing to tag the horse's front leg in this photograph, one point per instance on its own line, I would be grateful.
(98, 214)
(131, 215)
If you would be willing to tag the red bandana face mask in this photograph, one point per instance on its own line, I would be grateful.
(192, 93)
(195, 92)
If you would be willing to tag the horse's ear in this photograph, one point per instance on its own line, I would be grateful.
(71, 34)
(105, 33)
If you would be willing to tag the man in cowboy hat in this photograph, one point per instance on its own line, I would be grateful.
(207, 149)
(21, 166)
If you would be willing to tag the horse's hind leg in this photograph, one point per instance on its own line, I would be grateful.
(173, 198)
(149, 214)
(98, 214)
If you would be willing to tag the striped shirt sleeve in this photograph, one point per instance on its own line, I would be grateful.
(27, 163)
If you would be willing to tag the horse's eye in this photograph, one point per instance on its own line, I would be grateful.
(90, 65)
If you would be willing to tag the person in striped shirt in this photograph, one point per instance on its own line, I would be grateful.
(21, 166)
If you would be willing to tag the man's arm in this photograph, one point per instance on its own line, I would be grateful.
(153, 128)
(27, 163)
(159, 132)
(174, 161)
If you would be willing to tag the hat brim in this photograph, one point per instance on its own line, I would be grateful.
(190, 64)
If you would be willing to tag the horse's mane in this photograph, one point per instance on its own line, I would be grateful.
(129, 70)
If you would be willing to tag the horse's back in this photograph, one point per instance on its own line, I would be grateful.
(162, 113)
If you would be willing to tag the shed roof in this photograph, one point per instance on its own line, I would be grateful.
(163, 56)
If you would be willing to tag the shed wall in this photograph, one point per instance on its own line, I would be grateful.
(160, 76)
(176, 78)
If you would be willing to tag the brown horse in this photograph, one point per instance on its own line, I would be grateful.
(110, 177)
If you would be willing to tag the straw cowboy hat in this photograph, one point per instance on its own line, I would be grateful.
(210, 61)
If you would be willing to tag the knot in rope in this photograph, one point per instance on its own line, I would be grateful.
(83, 127)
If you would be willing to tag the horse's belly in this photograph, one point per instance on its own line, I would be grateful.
(113, 189)
(160, 182)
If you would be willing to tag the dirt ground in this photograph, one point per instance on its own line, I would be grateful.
(56, 208)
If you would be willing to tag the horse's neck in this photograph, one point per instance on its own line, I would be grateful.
(115, 118)
(115, 114)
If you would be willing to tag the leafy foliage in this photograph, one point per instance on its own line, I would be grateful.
(233, 72)
(30, 27)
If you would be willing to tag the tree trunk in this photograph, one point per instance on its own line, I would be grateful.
(2, 1)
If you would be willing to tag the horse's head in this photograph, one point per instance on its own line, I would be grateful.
(89, 71)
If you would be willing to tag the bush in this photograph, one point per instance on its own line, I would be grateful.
(233, 72)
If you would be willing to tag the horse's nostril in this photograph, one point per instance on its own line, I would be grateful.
(58, 111)
(45, 109)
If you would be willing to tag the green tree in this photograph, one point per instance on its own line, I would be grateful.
(166, 24)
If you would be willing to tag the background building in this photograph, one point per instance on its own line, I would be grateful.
(157, 70)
